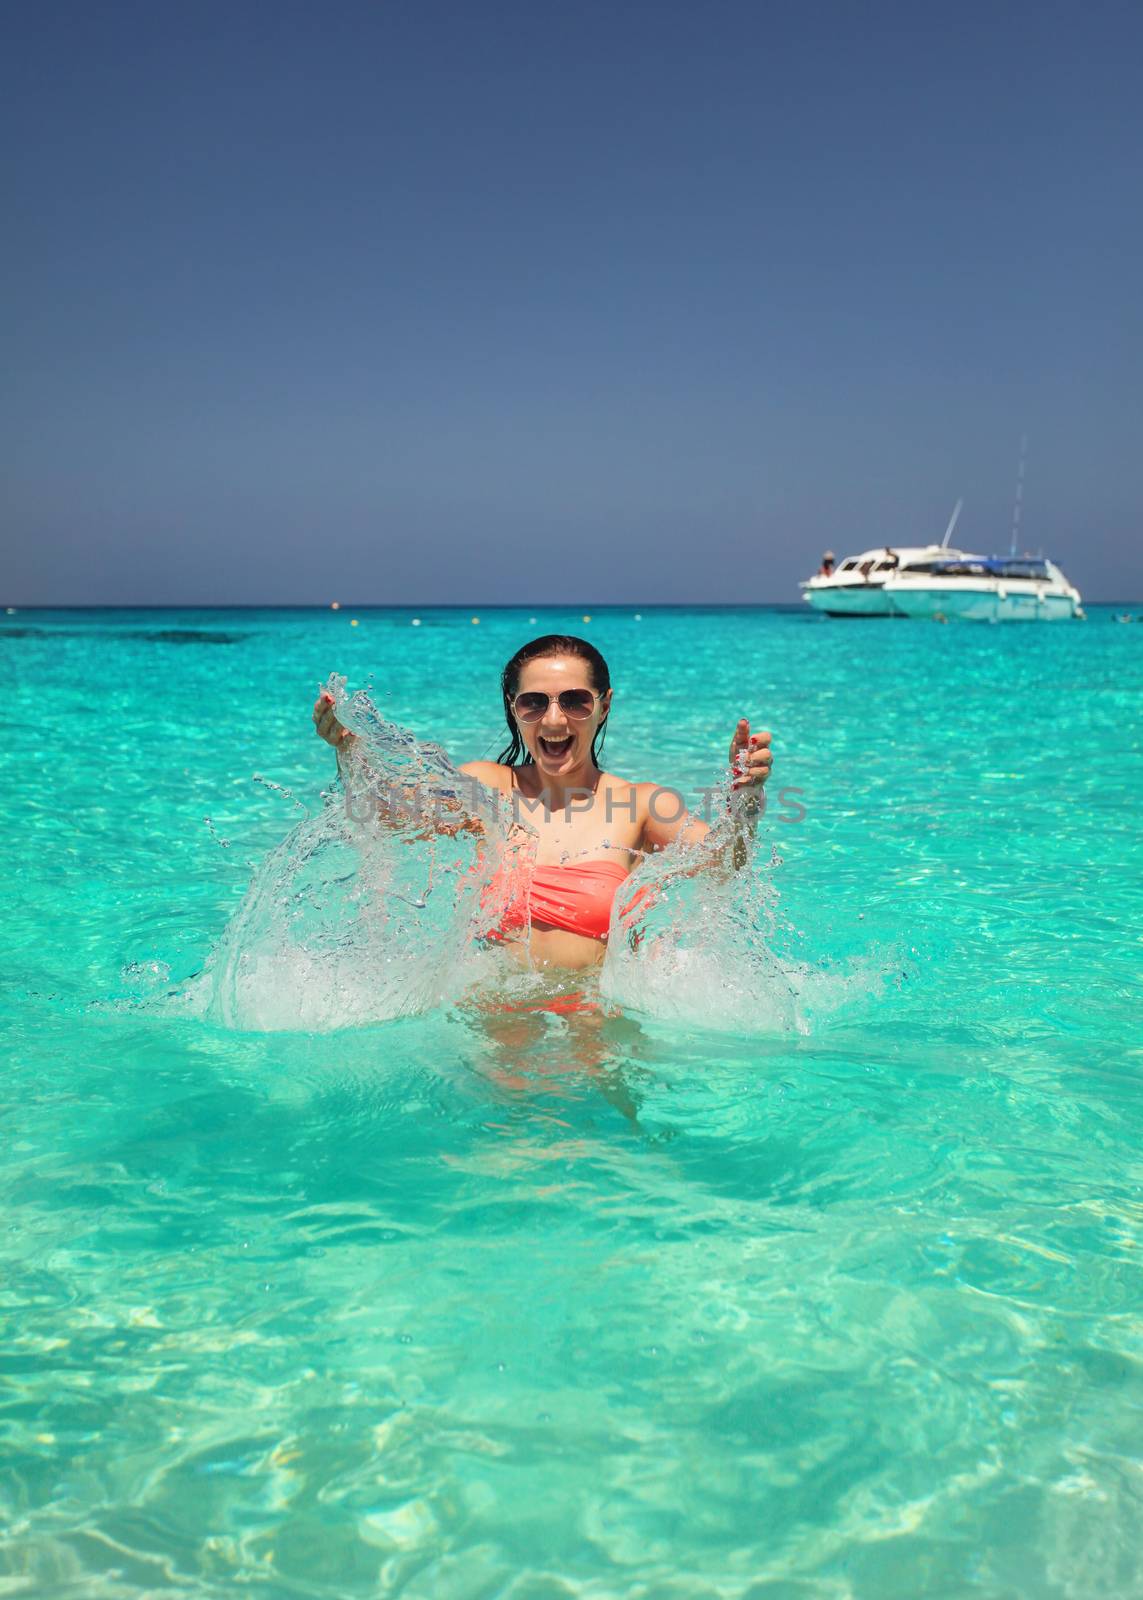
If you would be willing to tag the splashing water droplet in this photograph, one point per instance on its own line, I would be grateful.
(276, 788)
(146, 975)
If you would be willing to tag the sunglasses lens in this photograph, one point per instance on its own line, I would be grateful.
(531, 707)
(577, 703)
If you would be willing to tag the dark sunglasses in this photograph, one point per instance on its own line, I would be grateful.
(576, 704)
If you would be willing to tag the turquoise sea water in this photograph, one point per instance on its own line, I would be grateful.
(811, 1276)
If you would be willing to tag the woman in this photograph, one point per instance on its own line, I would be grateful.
(591, 826)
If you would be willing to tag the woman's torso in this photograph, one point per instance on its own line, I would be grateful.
(574, 865)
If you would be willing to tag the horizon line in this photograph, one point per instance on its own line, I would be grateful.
(589, 606)
(398, 605)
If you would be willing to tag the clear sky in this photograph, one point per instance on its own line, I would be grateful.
(562, 300)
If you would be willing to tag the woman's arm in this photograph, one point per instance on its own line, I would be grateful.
(751, 757)
(689, 829)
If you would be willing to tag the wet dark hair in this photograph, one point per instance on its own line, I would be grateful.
(549, 644)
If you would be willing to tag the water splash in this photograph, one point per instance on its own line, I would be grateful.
(374, 907)
(706, 945)
(379, 906)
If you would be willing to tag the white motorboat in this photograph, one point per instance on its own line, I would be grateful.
(859, 586)
(986, 589)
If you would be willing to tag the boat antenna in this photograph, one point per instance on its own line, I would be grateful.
(1019, 504)
(952, 524)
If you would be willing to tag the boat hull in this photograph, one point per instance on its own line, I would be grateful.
(985, 605)
(852, 600)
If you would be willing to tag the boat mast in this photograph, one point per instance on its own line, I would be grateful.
(1019, 505)
(952, 524)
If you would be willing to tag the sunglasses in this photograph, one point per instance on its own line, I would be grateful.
(576, 704)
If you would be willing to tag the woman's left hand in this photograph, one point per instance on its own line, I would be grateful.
(750, 756)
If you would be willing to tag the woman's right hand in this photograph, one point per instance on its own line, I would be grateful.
(326, 724)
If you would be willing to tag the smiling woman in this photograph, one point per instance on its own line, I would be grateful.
(591, 827)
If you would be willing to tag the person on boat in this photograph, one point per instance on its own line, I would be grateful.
(591, 826)
(826, 568)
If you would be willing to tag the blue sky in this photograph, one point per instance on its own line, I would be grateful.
(535, 302)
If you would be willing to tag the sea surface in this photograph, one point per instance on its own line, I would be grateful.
(807, 1263)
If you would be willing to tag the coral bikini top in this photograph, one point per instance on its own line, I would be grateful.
(576, 898)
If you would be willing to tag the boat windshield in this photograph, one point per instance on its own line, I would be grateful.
(993, 567)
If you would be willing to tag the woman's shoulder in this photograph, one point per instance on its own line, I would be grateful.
(625, 787)
(652, 802)
(490, 773)
(613, 778)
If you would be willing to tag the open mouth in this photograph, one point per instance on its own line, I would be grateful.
(555, 748)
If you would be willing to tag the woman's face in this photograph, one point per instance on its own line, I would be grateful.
(559, 744)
